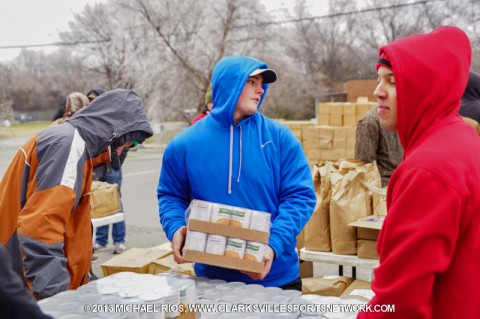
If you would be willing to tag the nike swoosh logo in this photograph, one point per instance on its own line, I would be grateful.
(264, 144)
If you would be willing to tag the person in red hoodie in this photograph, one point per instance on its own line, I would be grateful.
(207, 108)
(429, 245)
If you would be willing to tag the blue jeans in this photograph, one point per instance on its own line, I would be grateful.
(118, 229)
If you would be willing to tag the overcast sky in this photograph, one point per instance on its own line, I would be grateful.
(26, 22)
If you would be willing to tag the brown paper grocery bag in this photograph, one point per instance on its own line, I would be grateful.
(317, 229)
(350, 200)
(326, 286)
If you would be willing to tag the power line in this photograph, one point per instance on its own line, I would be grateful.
(327, 16)
(340, 14)
(24, 46)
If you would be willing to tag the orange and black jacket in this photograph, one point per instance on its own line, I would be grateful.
(44, 194)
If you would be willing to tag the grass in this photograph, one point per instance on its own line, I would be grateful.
(30, 129)
(25, 129)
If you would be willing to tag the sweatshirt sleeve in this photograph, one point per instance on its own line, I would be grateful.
(17, 301)
(172, 191)
(43, 219)
(297, 196)
(416, 243)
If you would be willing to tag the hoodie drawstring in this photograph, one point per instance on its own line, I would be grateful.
(240, 165)
(230, 160)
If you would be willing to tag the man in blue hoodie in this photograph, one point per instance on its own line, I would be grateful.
(236, 156)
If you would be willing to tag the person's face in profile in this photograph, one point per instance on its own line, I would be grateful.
(386, 94)
(250, 98)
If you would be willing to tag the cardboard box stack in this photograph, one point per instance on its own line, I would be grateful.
(368, 229)
(332, 137)
(226, 236)
(297, 127)
(321, 143)
(343, 113)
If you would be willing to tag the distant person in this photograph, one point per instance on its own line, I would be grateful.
(470, 106)
(207, 108)
(112, 176)
(60, 111)
(237, 156)
(74, 102)
(44, 194)
(95, 92)
(429, 244)
(16, 302)
(373, 143)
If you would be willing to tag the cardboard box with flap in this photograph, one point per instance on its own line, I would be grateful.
(227, 231)
(167, 263)
(136, 260)
(368, 229)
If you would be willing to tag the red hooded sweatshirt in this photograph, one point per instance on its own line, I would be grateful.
(429, 246)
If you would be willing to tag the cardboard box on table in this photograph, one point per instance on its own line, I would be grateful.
(136, 260)
(368, 229)
(227, 231)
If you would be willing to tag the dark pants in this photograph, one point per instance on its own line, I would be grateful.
(293, 285)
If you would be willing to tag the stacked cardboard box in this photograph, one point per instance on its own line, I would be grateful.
(333, 136)
(297, 127)
(343, 113)
(368, 229)
(322, 142)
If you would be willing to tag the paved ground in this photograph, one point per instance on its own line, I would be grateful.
(141, 172)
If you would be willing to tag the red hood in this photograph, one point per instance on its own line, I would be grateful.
(434, 93)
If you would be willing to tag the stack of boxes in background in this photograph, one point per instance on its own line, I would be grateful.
(333, 136)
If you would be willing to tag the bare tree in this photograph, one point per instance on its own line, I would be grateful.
(105, 44)
(190, 37)
(324, 47)
(166, 50)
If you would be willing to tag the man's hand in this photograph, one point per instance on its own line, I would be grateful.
(267, 264)
(178, 241)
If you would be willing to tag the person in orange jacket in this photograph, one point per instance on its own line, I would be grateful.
(44, 194)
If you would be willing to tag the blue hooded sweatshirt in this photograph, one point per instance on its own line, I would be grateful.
(257, 164)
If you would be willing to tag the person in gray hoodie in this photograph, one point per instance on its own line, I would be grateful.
(45, 192)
